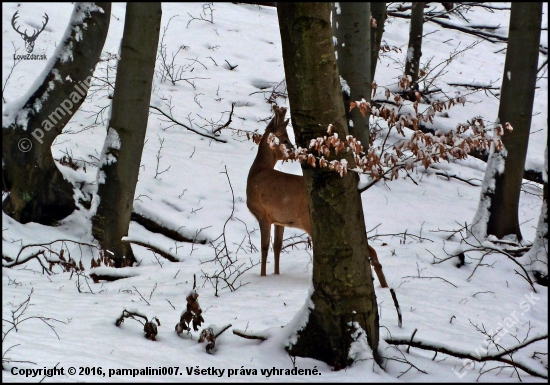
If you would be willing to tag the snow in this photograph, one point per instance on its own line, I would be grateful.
(345, 86)
(410, 225)
(300, 320)
(410, 53)
(495, 165)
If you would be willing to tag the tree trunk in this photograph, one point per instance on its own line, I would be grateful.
(344, 299)
(502, 185)
(378, 13)
(38, 192)
(351, 28)
(538, 255)
(123, 147)
(414, 52)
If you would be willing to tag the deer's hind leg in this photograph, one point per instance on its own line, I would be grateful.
(265, 232)
(377, 267)
(278, 245)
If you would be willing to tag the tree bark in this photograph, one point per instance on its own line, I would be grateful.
(123, 147)
(378, 13)
(414, 52)
(538, 255)
(38, 192)
(351, 28)
(501, 196)
(343, 293)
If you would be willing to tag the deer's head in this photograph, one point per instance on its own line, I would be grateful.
(29, 40)
(277, 129)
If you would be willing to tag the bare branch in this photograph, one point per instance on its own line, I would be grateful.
(499, 357)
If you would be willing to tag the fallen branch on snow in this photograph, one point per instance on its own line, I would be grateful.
(498, 357)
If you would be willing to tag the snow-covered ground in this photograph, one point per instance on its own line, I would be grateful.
(447, 305)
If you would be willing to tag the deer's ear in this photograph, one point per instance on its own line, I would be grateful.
(270, 125)
(281, 128)
(283, 114)
(279, 110)
(280, 113)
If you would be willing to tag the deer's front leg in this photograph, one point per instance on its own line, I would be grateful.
(278, 245)
(265, 231)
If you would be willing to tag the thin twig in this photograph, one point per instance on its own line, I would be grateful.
(187, 127)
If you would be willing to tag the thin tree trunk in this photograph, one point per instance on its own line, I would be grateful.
(414, 52)
(38, 192)
(378, 13)
(502, 185)
(123, 147)
(343, 298)
(351, 28)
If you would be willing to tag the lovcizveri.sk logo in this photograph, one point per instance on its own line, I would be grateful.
(29, 40)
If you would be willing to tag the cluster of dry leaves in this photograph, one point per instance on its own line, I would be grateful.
(191, 316)
(149, 327)
(387, 160)
(102, 260)
(68, 264)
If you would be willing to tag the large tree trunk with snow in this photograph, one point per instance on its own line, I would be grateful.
(37, 189)
(538, 255)
(123, 147)
(351, 28)
(343, 298)
(378, 13)
(414, 51)
(498, 210)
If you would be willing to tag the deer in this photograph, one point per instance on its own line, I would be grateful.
(280, 199)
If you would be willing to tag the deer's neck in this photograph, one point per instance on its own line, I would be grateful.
(265, 158)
